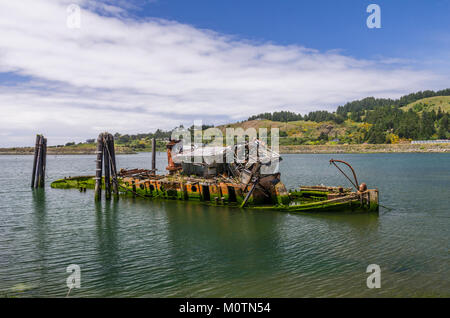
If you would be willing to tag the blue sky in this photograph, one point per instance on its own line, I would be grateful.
(136, 66)
(410, 29)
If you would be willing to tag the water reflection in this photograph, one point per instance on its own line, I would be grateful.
(220, 243)
(40, 231)
(107, 242)
(362, 223)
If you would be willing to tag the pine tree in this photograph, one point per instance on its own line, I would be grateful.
(443, 127)
(426, 126)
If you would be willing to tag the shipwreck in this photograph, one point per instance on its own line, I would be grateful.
(228, 176)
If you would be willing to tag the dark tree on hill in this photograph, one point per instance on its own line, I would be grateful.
(323, 136)
(376, 135)
(408, 125)
(426, 126)
(443, 127)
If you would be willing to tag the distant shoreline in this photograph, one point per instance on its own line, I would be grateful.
(366, 148)
(292, 149)
(65, 150)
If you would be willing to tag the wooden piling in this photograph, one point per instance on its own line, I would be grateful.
(43, 162)
(154, 155)
(38, 163)
(36, 150)
(98, 170)
(133, 185)
(106, 165)
(113, 164)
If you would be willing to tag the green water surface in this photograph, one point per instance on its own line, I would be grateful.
(138, 248)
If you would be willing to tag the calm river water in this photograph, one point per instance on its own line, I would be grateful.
(138, 248)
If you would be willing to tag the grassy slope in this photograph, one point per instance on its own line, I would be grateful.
(301, 129)
(430, 103)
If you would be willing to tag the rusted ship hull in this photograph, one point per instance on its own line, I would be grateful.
(225, 192)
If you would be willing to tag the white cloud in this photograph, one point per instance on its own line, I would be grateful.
(118, 74)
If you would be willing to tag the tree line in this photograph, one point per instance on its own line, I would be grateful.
(287, 116)
(158, 134)
(370, 103)
(389, 120)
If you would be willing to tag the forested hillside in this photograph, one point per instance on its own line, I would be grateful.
(418, 116)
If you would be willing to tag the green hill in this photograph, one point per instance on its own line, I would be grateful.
(429, 104)
(308, 132)
(370, 120)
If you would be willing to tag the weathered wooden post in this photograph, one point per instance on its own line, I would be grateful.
(38, 160)
(106, 161)
(113, 164)
(98, 170)
(36, 152)
(154, 156)
(39, 163)
(44, 162)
